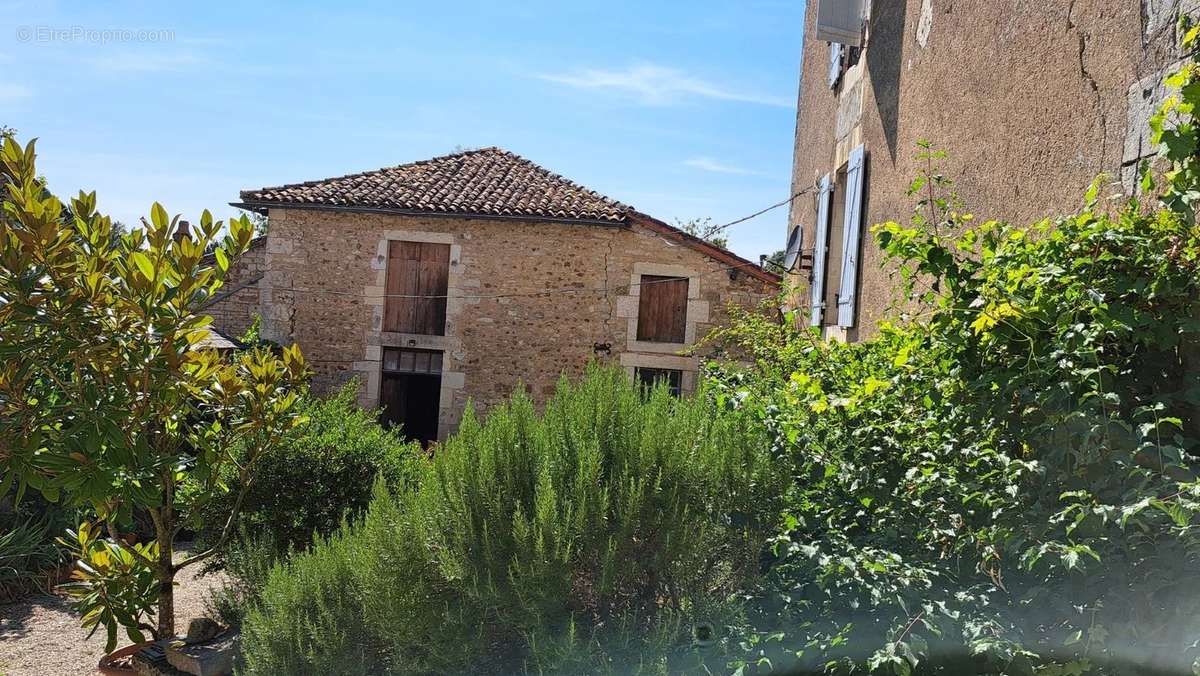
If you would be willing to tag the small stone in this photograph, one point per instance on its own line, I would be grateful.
(202, 629)
(210, 658)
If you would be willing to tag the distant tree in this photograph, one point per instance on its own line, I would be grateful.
(705, 229)
(259, 221)
(774, 262)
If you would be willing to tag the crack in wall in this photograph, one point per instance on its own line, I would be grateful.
(608, 299)
(1090, 81)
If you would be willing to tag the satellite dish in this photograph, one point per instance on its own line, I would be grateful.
(795, 242)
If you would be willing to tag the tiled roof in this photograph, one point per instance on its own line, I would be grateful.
(215, 340)
(485, 182)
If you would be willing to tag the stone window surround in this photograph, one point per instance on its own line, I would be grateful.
(648, 354)
(370, 368)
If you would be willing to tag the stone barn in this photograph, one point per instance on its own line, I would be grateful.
(459, 277)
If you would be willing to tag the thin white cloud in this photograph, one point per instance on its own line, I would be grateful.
(709, 164)
(145, 61)
(658, 85)
(11, 93)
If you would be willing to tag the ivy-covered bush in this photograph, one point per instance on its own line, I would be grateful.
(319, 474)
(1005, 481)
(598, 536)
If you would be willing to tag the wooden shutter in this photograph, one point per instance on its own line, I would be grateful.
(417, 279)
(819, 251)
(662, 309)
(855, 168)
(835, 63)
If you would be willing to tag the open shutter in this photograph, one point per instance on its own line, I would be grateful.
(840, 21)
(850, 241)
(819, 253)
(835, 63)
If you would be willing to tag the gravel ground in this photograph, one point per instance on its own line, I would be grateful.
(41, 636)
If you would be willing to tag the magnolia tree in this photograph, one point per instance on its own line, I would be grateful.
(106, 401)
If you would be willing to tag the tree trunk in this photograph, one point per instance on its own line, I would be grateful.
(166, 572)
(166, 605)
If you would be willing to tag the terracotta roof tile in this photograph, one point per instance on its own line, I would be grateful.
(486, 182)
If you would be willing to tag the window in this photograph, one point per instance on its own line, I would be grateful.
(417, 282)
(396, 360)
(841, 59)
(651, 378)
(835, 244)
(662, 309)
(410, 392)
(836, 257)
(854, 189)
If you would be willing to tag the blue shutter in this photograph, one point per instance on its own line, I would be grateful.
(835, 63)
(819, 250)
(852, 234)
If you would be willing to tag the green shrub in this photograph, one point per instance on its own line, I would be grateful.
(311, 620)
(247, 563)
(593, 537)
(1010, 482)
(323, 471)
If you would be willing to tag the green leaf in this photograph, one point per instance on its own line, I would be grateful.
(158, 216)
(143, 264)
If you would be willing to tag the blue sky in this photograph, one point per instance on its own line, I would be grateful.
(681, 109)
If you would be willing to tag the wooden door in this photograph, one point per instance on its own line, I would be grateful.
(662, 309)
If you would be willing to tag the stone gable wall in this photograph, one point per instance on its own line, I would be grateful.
(238, 301)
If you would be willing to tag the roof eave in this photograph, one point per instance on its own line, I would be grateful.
(734, 261)
(262, 207)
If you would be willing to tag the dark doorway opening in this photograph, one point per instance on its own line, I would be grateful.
(410, 393)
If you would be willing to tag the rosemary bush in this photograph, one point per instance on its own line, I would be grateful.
(600, 534)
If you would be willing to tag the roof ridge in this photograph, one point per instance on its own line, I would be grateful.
(484, 181)
(428, 160)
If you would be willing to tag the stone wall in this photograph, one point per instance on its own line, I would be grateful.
(1031, 100)
(529, 300)
(238, 301)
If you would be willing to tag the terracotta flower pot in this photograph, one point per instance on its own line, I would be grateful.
(107, 667)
